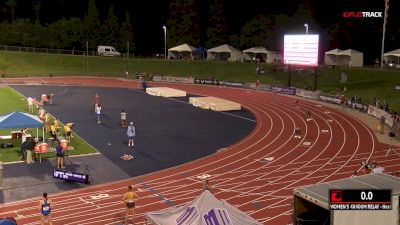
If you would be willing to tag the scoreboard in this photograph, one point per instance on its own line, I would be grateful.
(353, 199)
(301, 50)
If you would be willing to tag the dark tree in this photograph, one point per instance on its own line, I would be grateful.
(257, 31)
(183, 25)
(22, 33)
(36, 8)
(65, 34)
(305, 9)
(109, 31)
(190, 27)
(92, 25)
(126, 34)
(12, 4)
(174, 19)
(218, 30)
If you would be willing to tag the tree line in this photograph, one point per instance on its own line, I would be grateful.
(201, 23)
(198, 23)
(70, 33)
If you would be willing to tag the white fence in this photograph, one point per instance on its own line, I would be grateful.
(53, 51)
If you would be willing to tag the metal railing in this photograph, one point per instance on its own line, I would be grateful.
(55, 51)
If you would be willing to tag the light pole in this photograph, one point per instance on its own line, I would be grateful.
(165, 41)
(306, 25)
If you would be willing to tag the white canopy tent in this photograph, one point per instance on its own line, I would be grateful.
(351, 58)
(181, 51)
(392, 56)
(225, 52)
(261, 52)
(332, 57)
(203, 210)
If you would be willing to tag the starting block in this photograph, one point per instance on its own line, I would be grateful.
(269, 159)
(203, 177)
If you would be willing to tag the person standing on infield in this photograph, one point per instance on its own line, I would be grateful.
(96, 101)
(130, 197)
(131, 134)
(30, 104)
(123, 118)
(45, 206)
(98, 113)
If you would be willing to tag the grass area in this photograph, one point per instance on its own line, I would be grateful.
(362, 82)
(11, 101)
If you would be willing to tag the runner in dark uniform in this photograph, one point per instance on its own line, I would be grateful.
(45, 209)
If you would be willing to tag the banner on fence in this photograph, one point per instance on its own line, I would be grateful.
(307, 94)
(284, 90)
(230, 83)
(357, 106)
(378, 113)
(206, 81)
(186, 80)
(329, 99)
(219, 82)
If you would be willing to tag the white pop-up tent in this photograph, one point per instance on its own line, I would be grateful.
(351, 58)
(203, 210)
(392, 56)
(332, 57)
(261, 52)
(181, 51)
(224, 52)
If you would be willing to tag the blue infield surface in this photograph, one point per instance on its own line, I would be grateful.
(169, 132)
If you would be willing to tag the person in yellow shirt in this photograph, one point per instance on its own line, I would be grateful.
(68, 131)
(53, 131)
(130, 197)
(56, 125)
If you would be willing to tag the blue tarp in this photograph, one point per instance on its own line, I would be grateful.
(201, 51)
(19, 120)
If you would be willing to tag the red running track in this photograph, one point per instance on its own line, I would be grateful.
(332, 146)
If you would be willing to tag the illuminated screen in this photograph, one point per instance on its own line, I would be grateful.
(301, 50)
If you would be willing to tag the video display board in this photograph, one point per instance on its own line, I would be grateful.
(301, 50)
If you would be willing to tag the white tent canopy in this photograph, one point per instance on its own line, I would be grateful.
(224, 52)
(181, 51)
(332, 57)
(351, 58)
(266, 55)
(392, 56)
(203, 210)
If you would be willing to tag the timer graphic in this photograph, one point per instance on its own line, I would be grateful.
(352, 199)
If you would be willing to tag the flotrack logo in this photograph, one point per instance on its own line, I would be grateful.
(362, 14)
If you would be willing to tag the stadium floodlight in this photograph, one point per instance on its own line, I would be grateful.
(165, 41)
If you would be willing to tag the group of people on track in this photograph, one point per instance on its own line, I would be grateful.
(129, 198)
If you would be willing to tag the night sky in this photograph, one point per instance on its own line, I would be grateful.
(149, 16)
